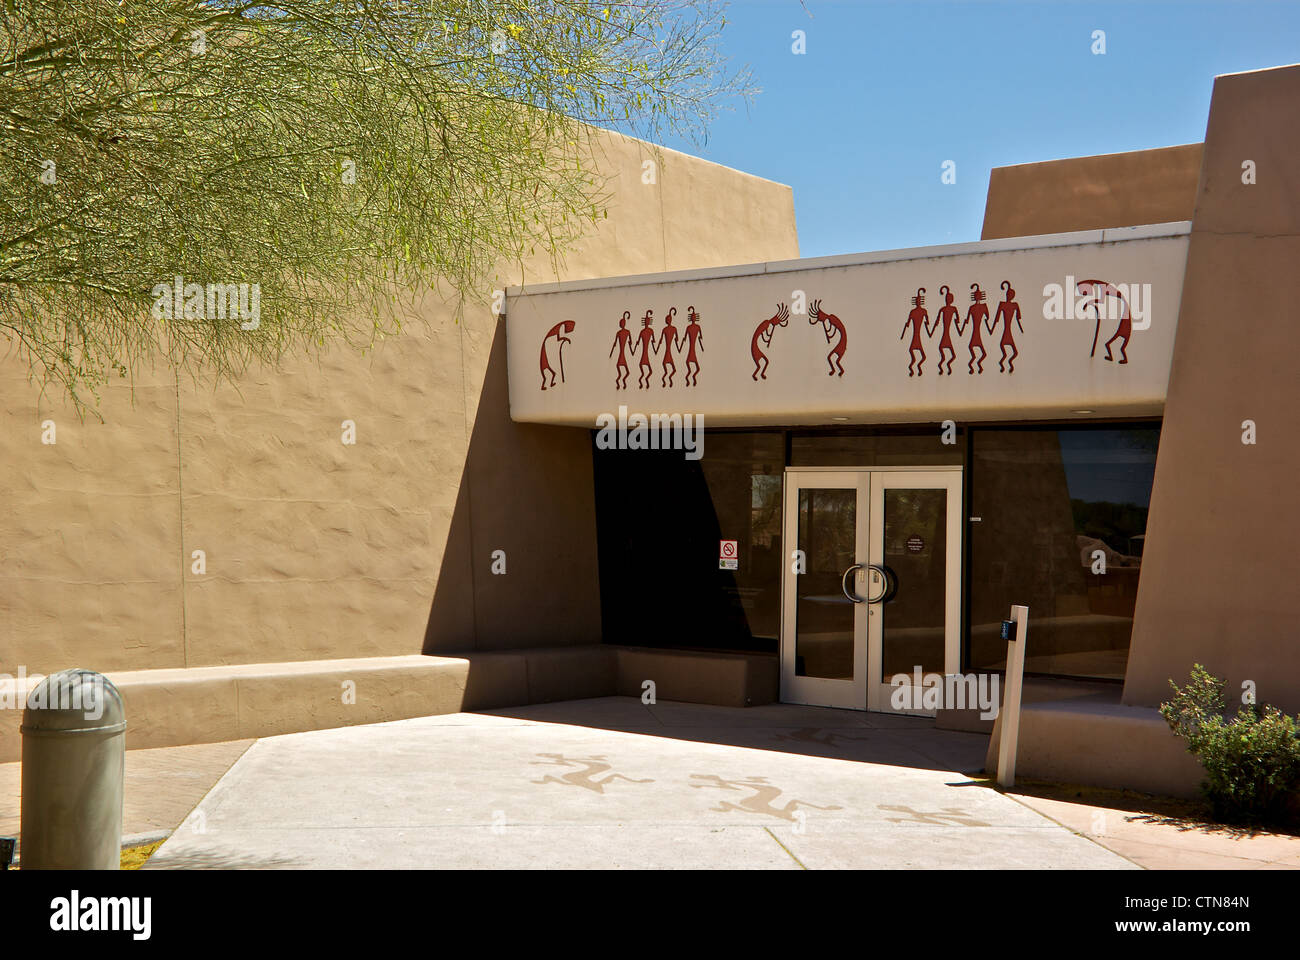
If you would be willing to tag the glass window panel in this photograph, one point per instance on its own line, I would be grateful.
(823, 614)
(876, 449)
(1062, 520)
(916, 550)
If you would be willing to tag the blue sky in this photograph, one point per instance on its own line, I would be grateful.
(860, 125)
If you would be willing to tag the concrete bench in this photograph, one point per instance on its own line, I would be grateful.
(1100, 742)
(171, 707)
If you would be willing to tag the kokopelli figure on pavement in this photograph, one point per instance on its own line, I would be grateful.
(917, 319)
(947, 316)
(585, 775)
(831, 325)
(761, 799)
(975, 316)
(763, 333)
(1008, 311)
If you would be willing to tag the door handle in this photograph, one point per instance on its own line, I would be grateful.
(888, 583)
(844, 585)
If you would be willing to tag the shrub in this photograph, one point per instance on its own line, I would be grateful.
(1252, 762)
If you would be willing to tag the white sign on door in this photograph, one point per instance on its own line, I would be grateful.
(728, 555)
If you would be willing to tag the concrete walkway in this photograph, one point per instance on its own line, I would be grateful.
(613, 783)
(160, 787)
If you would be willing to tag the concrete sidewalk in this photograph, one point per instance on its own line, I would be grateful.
(613, 783)
(160, 787)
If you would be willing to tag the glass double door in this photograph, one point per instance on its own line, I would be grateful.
(872, 585)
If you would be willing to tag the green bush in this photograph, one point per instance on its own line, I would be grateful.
(1252, 762)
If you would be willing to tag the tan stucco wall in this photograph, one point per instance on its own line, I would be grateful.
(1219, 573)
(316, 549)
(1092, 193)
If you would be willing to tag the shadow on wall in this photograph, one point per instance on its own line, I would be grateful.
(526, 490)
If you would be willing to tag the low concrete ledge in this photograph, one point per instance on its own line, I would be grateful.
(509, 678)
(1099, 742)
(1035, 689)
(514, 678)
(722, 679)
(166, 708)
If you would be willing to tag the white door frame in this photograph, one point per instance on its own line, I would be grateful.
(862, 693)
(879, 691)
(850, 694)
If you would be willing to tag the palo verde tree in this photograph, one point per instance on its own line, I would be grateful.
(330, 154)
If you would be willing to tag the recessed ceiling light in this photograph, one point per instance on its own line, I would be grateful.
(1083, 411)
(839, 419)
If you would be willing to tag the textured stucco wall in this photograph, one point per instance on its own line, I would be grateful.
(1092, 193)
(315, 549)
(1219, 573)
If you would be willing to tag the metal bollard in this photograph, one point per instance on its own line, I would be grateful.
(74, 749)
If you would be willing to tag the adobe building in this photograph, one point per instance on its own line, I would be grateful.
(1091, 411)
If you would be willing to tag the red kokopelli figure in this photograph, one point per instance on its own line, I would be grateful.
(694, 337)
(558, 332)
(946, 316)
(916, 319)
(668, 340)
(976, 315)
(1099, 290)
(830, 325)
(763, 332)
(1008, 311)
(646, 341)
(622, 341)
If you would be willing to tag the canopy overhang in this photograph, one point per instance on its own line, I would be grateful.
(1069, 325)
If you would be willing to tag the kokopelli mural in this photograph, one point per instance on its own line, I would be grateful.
(763, 333)
(668, 340)
(623, 344)
(833, 328)
(646, 342)
(976, 316)
(694, 337)
(918, 319)
(666, 343)
(1008, 311)
(1098, 291)
(947, 316)
(948, 320)
(556, 333)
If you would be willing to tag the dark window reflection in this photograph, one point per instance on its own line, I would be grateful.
(659, 518)
(824, 616)
(877, 448)
(916, 549)
(1063, 514)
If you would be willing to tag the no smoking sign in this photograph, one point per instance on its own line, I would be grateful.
(728, 555)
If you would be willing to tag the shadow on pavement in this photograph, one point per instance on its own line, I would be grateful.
(825, 732)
